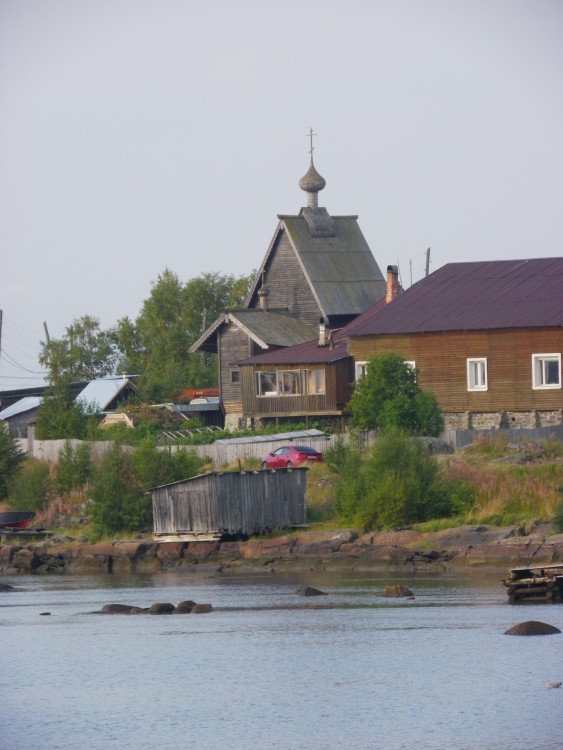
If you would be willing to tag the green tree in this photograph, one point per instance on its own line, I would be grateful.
(155, 345)
(388, 397)
(84, 352)
(11, 457)
(60, 416)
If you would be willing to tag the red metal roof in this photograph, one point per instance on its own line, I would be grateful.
(308, 353)
(473, 296)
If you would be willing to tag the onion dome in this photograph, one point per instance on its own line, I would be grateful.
(312, 182)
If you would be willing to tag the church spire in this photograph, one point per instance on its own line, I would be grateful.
(312, 182)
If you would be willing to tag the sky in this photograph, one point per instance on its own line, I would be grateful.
(140, 135)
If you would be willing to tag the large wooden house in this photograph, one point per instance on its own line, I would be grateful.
(318, 270)
(486, 338)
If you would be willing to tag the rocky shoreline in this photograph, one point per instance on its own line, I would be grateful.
(408, 549)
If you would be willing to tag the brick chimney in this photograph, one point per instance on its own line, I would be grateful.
(393, 288)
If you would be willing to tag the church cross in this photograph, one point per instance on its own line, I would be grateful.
(310, 135)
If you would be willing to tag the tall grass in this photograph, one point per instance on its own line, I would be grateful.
(507, 494)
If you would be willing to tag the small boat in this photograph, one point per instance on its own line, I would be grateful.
(16, 519)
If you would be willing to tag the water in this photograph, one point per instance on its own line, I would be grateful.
(269, 669)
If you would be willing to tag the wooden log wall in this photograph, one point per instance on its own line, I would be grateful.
(441, 359)
(287, 284)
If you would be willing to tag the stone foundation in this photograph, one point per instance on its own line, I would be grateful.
(502, 420)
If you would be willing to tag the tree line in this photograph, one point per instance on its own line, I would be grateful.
(153, 346)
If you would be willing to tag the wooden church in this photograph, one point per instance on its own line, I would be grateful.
(317, 271)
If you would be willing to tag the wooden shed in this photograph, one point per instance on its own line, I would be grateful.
(216, 504)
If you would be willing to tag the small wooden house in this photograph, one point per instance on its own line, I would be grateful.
(312, 380)
(218, 504)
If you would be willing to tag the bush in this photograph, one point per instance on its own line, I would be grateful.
(120, 502)
(32, 487)
(397, 483)
(73, 468)
(11, 458)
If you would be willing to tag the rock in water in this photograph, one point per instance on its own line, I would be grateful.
(112, 609)
(201, 609)
(397, 590)
(309, 591)
(184, 608)
(161, 608)
(532, 627)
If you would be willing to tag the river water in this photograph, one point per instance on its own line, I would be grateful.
(270, 669)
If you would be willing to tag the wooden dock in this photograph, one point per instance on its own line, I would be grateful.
(538, 584)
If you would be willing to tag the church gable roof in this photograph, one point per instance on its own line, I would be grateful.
(339, 267)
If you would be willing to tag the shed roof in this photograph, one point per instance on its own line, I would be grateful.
(20, 407)
(478, 295)
(339, 267)
(99, 393)
(265, 327)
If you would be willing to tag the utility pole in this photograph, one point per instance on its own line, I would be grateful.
(47, 339)
(427, 261)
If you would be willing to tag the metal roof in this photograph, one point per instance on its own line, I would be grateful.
(307, 353)
(265, 327)
(99, 393)
(340, 269)
(479, 295)
(283, 436)
(20, 407)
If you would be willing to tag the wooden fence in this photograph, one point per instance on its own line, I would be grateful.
(226, 454)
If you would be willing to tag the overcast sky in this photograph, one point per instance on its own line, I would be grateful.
(139, 135)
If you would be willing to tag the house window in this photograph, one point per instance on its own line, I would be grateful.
(360, 368)
(289, 383)
(477, 374)
(314, 382)
(235, 376)
(546, 371)
(266, 384)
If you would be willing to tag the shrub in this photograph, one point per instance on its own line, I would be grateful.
(32, 487)
(120, 482)
(11, 457)
(73, 468)
(397, 483)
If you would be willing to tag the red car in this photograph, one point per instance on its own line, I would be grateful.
(291, 455)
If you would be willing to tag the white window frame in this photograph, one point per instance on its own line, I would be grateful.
(539, 362)
(360, 369)
(477, 375)
(294, 378)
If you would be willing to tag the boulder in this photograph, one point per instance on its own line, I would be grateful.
(398, 590)
(532, 627)
(161, 608)
(6, 587)
(184, 608)
(113, 609)
(309, 591)
(201, 609)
